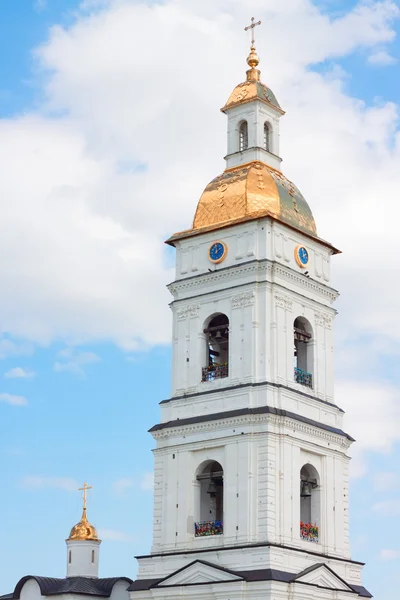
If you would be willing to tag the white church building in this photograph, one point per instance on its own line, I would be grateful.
(251, 461)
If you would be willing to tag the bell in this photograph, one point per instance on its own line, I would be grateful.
(218, 335)
(212, 488)
(306, 489)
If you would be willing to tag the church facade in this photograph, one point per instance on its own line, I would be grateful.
(251, 463)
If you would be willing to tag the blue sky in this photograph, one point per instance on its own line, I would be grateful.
(81, 371)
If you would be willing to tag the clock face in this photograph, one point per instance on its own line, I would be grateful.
(217, 252)
(301, 255)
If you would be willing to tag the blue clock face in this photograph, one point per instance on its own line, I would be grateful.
(217, 252)
(303, 255)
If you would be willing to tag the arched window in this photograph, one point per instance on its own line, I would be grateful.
(210, 506)
(303, 352)
(243, 136)
(69, 557)
(92, 556)
(267, 137)
(309, 504)
(217, 340)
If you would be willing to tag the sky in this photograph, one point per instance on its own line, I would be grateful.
(109, 131)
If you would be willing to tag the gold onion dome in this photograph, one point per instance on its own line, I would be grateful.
(249, 192)
(83, 530)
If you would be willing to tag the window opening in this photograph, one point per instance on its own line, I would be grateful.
(243, 137)
(267, 135)
(211, 490)
(92, 556)
(69, 557)
(309, 504)
(303, 352)
(217, 339)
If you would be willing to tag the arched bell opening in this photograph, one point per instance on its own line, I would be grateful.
(303, 352)
(210, 505)
(310, 504)
(217, 348)
(243, 136)
(267, 137)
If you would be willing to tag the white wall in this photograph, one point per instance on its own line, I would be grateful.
(261, 296)
(255, 114)
(83, 558)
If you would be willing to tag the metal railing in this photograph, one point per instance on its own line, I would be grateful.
(205, 528)
(303, 377)
(214, 372)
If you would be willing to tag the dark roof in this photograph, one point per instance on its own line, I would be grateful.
(249, 411)
(249, 385)
(249, 576)
(90, 586)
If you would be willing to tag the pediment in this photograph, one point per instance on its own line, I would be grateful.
(199, 572)
(323, 576)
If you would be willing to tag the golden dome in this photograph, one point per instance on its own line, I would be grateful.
(251, 191)
(83, 530)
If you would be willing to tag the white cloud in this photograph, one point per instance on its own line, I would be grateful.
(10, 348)
(381, 58)
(372, 417)
(390, 554)
(147, 482)
(74, 361)
(114, 535)
(122, 485)
(40, 482)
(99, 195)
(19, 373)
(13, 400)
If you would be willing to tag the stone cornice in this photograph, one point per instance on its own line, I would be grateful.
(262, 270)
(243, 417)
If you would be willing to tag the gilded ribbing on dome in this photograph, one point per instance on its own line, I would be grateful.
(250, 191)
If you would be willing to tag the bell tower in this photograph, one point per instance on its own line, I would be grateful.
(251, 461)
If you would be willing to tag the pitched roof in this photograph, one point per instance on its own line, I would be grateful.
(50, 586)
(249, 576)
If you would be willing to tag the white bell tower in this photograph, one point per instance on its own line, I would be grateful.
(251, 463)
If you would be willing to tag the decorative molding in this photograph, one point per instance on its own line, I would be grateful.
(323, 319)
(283, 301)
(191, 311)
(263, 270)
(235, 422)
(242, 300)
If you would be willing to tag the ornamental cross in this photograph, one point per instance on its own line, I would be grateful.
(84, 489)
(252, 26)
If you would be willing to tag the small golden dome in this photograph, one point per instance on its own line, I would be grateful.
(83, 530)
(249, 192)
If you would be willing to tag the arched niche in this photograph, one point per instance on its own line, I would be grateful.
(303, 352)
(209, 504)
(310, 504)
(216, 331)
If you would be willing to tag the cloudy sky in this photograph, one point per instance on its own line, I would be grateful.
(109, 130)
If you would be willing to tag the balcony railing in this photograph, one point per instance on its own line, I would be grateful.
(303, 377)
(205, 528)
(309, 532)
(214, 372)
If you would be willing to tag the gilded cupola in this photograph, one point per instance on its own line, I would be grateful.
(252, 185)
(84, 530)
